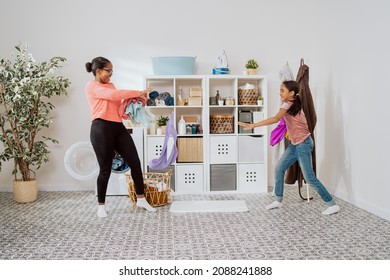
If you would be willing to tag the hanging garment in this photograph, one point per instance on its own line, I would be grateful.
(306, 96)
(165, 160)
(285, 73)
(294, 173)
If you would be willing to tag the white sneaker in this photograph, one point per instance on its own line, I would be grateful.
(331, 210)
(273, 205)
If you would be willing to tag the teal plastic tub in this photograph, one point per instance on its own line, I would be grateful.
(173, 65)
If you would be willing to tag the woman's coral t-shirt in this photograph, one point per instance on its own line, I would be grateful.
(106, 101)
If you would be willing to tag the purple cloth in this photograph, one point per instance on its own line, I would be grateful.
(164, 160)
(278, 133)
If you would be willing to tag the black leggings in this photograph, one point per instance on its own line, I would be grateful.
(106, 138)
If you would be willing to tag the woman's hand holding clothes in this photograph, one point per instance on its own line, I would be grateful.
(144, 93)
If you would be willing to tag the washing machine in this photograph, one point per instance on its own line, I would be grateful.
(80, 163)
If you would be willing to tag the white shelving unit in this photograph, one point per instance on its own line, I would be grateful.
(213, 162)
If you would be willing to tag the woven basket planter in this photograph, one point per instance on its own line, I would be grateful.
(25, 191)
(251, 71)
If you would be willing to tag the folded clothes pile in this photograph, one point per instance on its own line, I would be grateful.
(160, 99)
(137, 114)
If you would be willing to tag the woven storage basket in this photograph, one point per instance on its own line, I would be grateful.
(221, 124)
(247, 96)
(157, 188)
(25, 191)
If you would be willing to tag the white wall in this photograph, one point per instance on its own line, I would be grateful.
(351, 52)
(343, 42)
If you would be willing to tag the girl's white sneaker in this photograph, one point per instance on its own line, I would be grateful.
(273, 205)
(331, 210)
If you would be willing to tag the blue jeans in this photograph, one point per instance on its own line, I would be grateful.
(302, 154)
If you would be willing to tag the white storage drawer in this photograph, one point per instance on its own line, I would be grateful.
(251, 149)
(155, 146)
(257, 117)
(189, 178)
(223, 149)
(251, 178)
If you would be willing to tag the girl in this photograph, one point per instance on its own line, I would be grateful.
(300, 149)
(108, 134)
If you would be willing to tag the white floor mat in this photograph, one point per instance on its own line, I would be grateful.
(208, 206)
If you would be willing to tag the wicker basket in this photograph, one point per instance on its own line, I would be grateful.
(157, 188)
(247, 96)
(221, 124)
(25, 191)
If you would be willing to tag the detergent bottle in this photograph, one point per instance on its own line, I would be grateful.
(182, 126)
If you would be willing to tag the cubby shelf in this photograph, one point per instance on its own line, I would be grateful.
(234, 160)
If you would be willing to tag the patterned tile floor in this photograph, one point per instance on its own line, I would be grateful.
(64, 226)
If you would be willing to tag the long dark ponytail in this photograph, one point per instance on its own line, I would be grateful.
(297, 102)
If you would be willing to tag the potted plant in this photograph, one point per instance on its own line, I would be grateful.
(251, 66)
(25, 90)
(162, 123)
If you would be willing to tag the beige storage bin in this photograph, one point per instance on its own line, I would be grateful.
(194, 101)
(190, 149)
(195, 92)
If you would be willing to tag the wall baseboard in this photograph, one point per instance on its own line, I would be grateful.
(383, 213)
(53, 188)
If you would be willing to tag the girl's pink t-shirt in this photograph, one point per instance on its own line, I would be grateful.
(106, 101)
(297, 127)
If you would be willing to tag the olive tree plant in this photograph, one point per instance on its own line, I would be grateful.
(25, 89)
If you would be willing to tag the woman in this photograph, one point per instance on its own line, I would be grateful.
(300, 149)
(108, 134)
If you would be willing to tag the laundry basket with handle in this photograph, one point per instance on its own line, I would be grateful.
(157, 188)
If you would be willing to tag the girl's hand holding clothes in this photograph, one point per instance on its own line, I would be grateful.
(247, 126)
